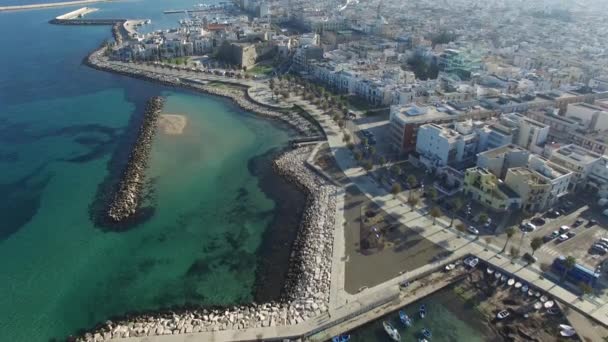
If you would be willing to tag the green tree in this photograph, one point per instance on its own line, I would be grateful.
(435, 212)
(585, 288)
(350, 146)
(358, 156)
(569, 264)
(368, 166)
(432, 194)
(396, 189)
(536, 243)
(396, 170)
(346, 138)
(514, 252)
(483, 218)
(510, 232)
(488, 240)
(372, 150)
(382, 160)
(461, 227)
(457, 204)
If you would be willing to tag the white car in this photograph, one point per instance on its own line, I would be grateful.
(564, 229)
(473, 230)
(563, 238)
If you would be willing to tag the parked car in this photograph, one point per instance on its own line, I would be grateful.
(563, 229)
(538, 221)
(571, 235)
(527, 227)
(529, 258)
(591, 223)
(563, 238)
(473, 230)
(578, 222)
(551, 236)
(599, 249)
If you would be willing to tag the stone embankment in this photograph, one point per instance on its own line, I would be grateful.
(126, 199)
(306, 292)
(238, 94)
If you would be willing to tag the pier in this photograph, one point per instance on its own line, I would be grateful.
(49, 5)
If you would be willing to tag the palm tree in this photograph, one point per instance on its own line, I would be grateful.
(435, 213)
(457, 204)
(510, 232)
(346, 138)
(569, 264)
(396, 169)
(382, 160)
(536, 243)
(413, 201)
(411, 181)
(461, 228)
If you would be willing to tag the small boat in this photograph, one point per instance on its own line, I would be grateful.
(517, 285)
(497, 275)
(503, 278)
(566, 327)
(553, 311)
(392, 332)
(544, 299)
(511, 282)
(341, 338)
(490, 270)
(405, 319)
(426, 333)
(423, 340)
(422, 311)
(471, 261)
(503, 314)
(450, 267)
(537, 294)
(524, 288)
(568, 333)
(549, 304)
(538, 305)
(530, 293)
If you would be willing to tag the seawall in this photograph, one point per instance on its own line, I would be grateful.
(127, 197)
(306, 292)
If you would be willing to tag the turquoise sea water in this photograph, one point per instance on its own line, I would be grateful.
(60, 125)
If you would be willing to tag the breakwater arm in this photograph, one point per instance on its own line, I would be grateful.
(51, 4)
(126, 199)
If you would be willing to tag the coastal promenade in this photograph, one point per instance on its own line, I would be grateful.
(49, 5)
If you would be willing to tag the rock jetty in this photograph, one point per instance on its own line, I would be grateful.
(306, 292)
(126, 199)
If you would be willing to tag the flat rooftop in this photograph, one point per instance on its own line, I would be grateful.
(575, 154)
(499, 151)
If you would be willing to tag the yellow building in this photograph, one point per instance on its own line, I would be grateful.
(532, 187)
(487, 189)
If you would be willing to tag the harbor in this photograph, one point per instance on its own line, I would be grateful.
(49, 5)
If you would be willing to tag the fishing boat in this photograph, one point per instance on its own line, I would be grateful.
(503, 278)
(549, 304)
(538, 305)
(517, 285)
(524, 288)
(553, 311)
(544, 299)
(450, 267)
(503, 314)
(566, 327)
(511, 282)
(341, 338)
(405, 319)
(497, 275)
(537, 294)
(490, 270)
(392, 332)
(530, 293)
(422, 311)
(426, 333)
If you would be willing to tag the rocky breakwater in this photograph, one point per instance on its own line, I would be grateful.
(306, 292)
(126, 198)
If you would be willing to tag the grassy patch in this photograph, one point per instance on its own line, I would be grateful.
(260, 70)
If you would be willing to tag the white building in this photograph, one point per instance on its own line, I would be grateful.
(591, 117)
(578, 160)
(440, 146)
(559, 177)
(530, 134)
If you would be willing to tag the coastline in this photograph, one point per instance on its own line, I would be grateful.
(306, 291)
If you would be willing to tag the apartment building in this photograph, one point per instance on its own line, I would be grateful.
(532, 187)
(497, 161)
(487, 189)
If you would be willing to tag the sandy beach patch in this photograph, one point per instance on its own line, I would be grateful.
(172, 124)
